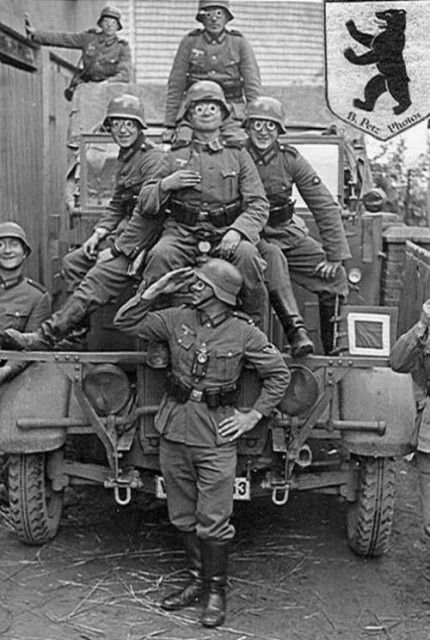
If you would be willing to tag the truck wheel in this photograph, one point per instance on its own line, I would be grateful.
(35, 509)
(370, 517)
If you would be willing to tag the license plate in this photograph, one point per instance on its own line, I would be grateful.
(242, 489)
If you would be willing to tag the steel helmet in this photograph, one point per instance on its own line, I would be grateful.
(266, 108)
(203, 90)
(223, 278)
(125, 106)
(374, 199)
(13, 230)
(110, 11)
(205, 4)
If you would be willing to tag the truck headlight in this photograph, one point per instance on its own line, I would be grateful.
(302, 391)
(107, 388)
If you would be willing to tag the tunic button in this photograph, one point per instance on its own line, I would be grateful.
(229, 354)
(208, 324)
(180, 341)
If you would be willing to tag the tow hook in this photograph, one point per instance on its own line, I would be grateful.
(118, 492)
(123, 485)
(280, 494)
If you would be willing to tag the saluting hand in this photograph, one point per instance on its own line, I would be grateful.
(238, 424)
(172, 282)
(326, 269)
(181, 179)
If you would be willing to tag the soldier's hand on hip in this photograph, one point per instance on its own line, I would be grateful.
(229, 243)
(182, 179)
(172, 282)
(29, 30)
(238, 424)
(326, 269)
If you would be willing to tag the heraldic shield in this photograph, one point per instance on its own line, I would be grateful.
(377, 63)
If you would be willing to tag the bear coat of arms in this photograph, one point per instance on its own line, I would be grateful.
(377, 68)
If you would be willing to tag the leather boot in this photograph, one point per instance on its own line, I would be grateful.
(215, 564)
(284, 304)
(50, 332)
(329, 308)
(423, 460)
(194, 589)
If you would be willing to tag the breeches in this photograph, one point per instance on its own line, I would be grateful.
(199, 485)
(103, 283)
(301, 261)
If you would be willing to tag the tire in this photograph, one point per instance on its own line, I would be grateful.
(370, 517)
(35, 509)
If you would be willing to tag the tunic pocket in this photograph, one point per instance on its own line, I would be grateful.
(227, 364)
(16, 319)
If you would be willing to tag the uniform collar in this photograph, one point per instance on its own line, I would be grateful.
(215, 39)
(216, 319)
(211, 147)
(8, 283)
(126, 154)
(108, 40)
(266, 156)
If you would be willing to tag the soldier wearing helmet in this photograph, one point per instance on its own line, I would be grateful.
(286, 244)
(24, 303)
(211, 192)
(104, 55)
(217, 54)
(94, 274)
(197, 419)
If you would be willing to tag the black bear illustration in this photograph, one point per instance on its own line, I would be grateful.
(386, 51)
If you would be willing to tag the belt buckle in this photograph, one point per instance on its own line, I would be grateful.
(196, 395)
(203, 216)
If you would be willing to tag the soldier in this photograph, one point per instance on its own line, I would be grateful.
(197, 419)
(104, 55)
(212, 192)
(286, 244)
(411, 354)
(217, 54)
(24, 303)
(96, 277)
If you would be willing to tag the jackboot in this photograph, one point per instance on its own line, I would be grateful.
(194, 589)
(285, 306)
(76, 338)
(423, 460)
(50, 332)
(254, 303)
(329, 309)
(215, 565)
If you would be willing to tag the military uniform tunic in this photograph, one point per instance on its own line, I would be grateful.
(103, 56)
(411, 354)
(280, 167)
(24, 305)
(228, 176)
(135, 166)
(229, 340)
(227, 59)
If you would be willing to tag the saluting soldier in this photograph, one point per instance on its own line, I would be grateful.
(24, 303)
(211, 192)
(197, 419)
(104, 55)
(217, 54)
(286, 244)
(96, 273)
(411, 354)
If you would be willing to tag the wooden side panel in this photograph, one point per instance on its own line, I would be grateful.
(416, 285)
(21, 157)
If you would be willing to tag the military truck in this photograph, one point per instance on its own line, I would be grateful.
(87, 418)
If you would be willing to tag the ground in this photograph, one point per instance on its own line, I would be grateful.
(293, 576)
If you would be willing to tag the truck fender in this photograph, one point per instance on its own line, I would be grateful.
(40, 391)
(378, 394)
